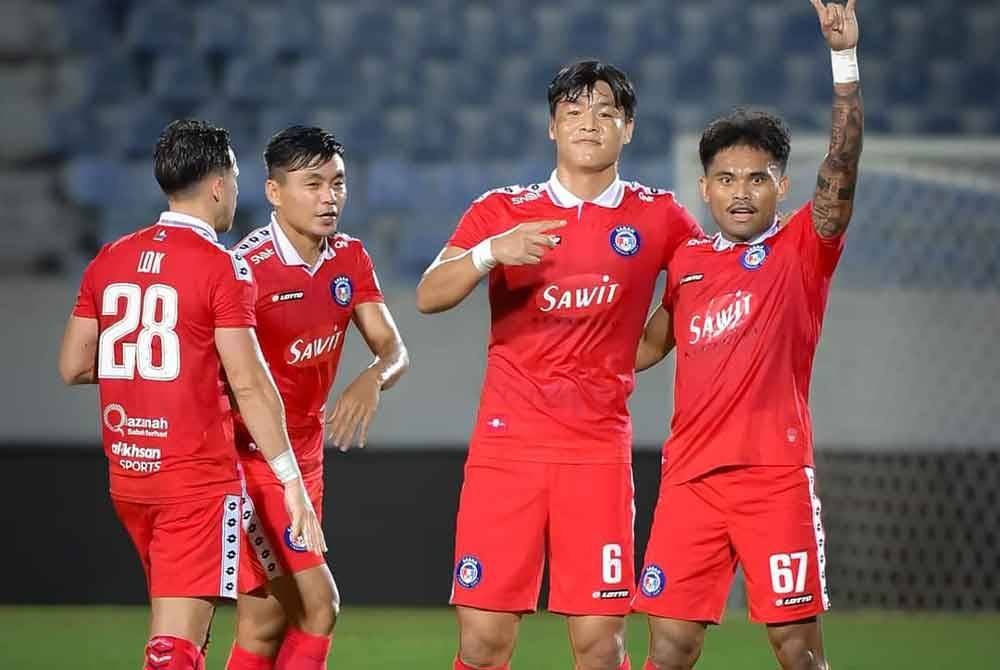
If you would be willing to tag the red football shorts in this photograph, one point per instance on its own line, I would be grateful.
(269, 550)
(514, 514)
(766, 518)
(188, 549)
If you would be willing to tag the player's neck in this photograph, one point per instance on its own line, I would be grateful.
(195, 209)
(584, 184)
(309, 247)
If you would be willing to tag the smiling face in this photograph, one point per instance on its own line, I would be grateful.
(311, 199)
(743, 186)
(590, 131)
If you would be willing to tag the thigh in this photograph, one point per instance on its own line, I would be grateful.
(500, 536)
(195, 548)
(137, 519)
(690, 562)
(778, 534)
(591, 554)
(270, 550)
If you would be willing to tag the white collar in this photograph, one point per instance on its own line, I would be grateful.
(719, 243)
(186, 221)
(610, 198)
(289, 255)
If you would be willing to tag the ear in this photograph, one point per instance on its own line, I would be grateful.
(784, 184)
(218, 188)
(629, 129)
(552, 128)
(273, 192)
(703, 187)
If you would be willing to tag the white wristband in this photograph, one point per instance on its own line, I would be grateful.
(482, 257)
(284, 466)
(845, 66)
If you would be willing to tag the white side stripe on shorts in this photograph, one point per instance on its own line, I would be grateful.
(820, 536)
(230, 565)
(262, 548)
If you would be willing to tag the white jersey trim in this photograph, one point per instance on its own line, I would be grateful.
(259, 542)
(820, 537)
(230, 564)
(561, 196)
(178, 220)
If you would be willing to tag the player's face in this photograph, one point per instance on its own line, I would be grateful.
(312, 199)
(590, 132)
(229, 192)
(742, 187)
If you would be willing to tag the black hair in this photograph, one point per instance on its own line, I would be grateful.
(298, 147)
(746, 128)
(580, 77)
(187, 151)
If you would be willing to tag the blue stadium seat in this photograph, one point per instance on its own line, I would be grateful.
(393, 185)
(110, 76)
(800, 33)
(982, 25)
(653, 134)
(589, 33)
(373, 32)
(945, 30)
(181, 80)
(86, 179)
(693, 80)
(908, 82)
(75, 130)
(157, 27)
(252, 178)
(325, 81)
(802, 80)
(981, 83)
(440, 33)
(132, 129)
(255, 80)
(514, 133)
(87, 22)
(942, 123)
(284, 31)
(656, 82)
(221, 28)
(480, 35)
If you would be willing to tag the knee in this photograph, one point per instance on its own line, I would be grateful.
(676, 650)
(320, 615)
(263, 631)
(795, 653)
(600, 653)
(484, 647)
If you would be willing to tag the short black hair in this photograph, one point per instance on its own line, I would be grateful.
(298, 147)
(580, 77)
(187, 152)
(744, 127)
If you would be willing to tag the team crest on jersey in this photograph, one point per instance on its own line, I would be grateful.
(653, 581)
(625, 240)
(294, 543)
(468, 572)
(754, 256)
(342, 290)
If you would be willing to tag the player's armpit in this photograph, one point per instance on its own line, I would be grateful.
(657, 340)
(448, 280)
(78, 353)
(833, 201)
(377, 326)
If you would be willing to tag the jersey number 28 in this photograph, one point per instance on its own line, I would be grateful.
(156, 310)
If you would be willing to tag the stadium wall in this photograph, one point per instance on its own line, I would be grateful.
(904, 530)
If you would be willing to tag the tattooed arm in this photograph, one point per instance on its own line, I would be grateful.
(833, 201)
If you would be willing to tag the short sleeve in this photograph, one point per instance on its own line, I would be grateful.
(234, 293)
(472, 228)
(86, 300)
(681, 227)
(819, 255)
(368, 288)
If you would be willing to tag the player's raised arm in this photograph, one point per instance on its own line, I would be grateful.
(356, 406)
(78, 353)
(264, 414)
(456, 271)
(657, 340)
(838, 175)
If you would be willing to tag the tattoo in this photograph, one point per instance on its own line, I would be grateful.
(833, 201)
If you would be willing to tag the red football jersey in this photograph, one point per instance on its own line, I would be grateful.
(303, 314)
(564, 333)
(158, 296)
(747, 320)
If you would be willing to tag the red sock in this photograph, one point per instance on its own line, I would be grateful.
(626, 664)
(462, 666)
(241, 659)
(649, 665)
(166, 652)
(303, 651)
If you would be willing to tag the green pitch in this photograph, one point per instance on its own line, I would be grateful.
(108, 638)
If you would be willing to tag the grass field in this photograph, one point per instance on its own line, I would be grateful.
(108, 638)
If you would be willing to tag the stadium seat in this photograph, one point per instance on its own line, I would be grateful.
(909, 33)
(284, 32)
(981, 81)
(908, 81)
(86, 179)
(131, 129)
(110, 76)
(221, 29)
(255, 80)
(325, 81)
(181, 80)
(157, 27)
